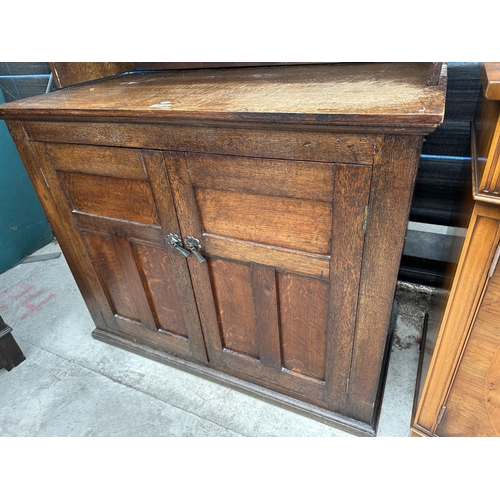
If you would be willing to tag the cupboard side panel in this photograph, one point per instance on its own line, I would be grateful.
(394, 173)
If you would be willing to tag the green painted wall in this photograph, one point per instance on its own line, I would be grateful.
(23, 225)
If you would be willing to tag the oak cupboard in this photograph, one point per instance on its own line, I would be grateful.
(243, 223)
(460, 396)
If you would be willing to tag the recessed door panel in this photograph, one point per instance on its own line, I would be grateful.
(123, 199)
(159, 282)
(273, 220)
(114, 260)
(291, 179)
(232, 289)
(303, 312)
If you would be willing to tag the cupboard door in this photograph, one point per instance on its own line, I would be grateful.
(283, 244)
(122, 209)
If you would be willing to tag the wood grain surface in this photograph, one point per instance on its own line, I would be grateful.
(492, 391)
(378, 94)
(71, 73)
(490, 75)
(472, 405)
(297, 182)
(390, 200)
(465, 297)
(485, 150)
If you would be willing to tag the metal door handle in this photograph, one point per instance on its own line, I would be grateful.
(175, 242)
(194, 245)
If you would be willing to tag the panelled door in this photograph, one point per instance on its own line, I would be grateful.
(276, 277)
(123, 213)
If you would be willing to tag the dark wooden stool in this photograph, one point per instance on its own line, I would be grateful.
(10, 353)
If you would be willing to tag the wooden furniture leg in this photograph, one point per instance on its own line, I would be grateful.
(10, 353)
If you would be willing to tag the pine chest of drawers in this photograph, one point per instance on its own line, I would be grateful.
(244, 223)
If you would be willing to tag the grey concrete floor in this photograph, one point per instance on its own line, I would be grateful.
(73, 385)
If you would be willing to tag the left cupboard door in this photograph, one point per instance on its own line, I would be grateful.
(121, 212)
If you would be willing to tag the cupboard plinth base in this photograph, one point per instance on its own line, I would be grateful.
(322, 415)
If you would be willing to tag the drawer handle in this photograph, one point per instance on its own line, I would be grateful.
(175, 242)
(194, 245)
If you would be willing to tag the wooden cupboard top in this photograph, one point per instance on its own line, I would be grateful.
(394, 95)
(490, 76)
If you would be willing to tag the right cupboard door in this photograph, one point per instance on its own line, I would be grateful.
(283, 242)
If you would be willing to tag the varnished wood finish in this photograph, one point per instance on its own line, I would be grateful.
(485, 150)
(162, 66)
(389, 207)
(435, 73)
(492, 380)
(472, 403)
(296, 181)
(394, 95)
(490, 75)
(70, 73)
(462, 374)
(459, 397)
(465, 297)
(266, 142)
(300, 304)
